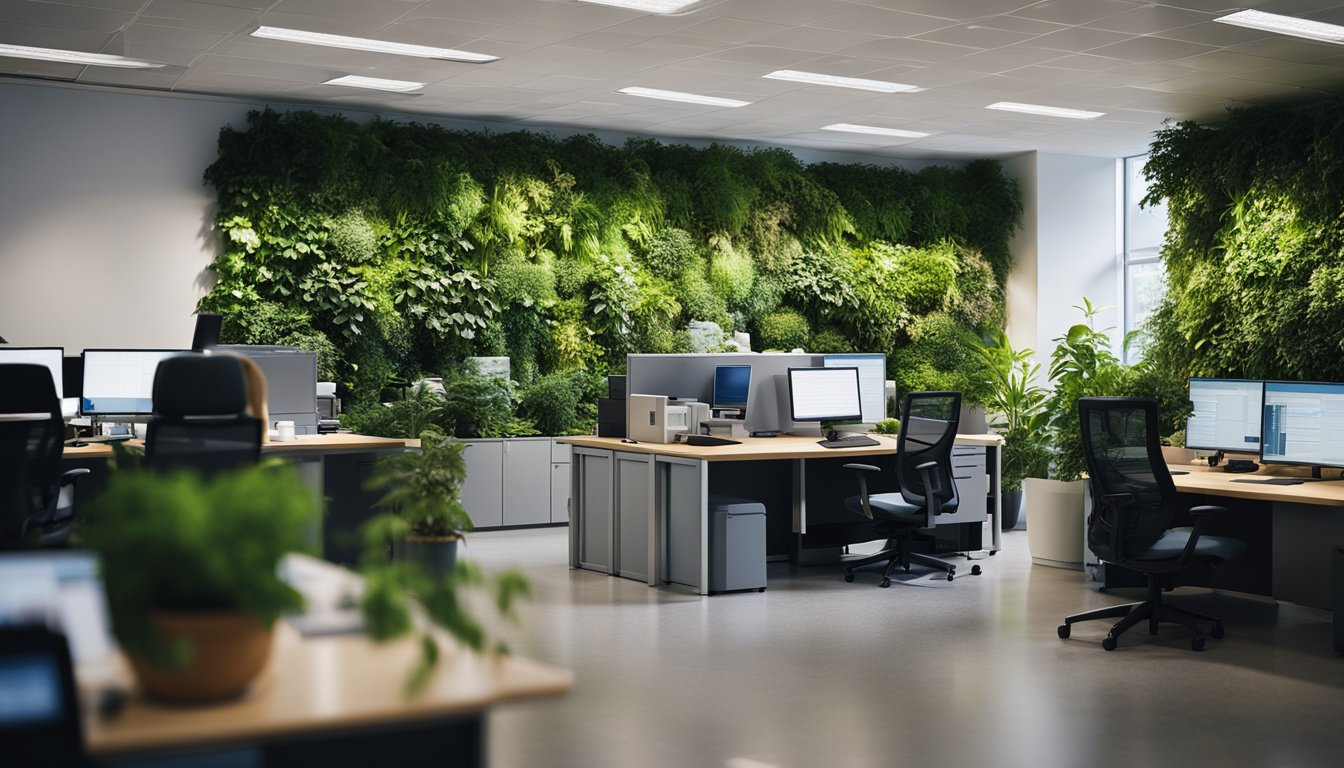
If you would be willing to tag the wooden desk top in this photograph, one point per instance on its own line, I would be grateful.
(758, 448)
(1215, 482)
(301, 445)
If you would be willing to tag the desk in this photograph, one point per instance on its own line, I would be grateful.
(337, 701)
(1289, 531)
(663, 484)
(301, 445)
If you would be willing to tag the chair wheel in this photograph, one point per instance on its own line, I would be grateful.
(884, 583)
(975, 570)
(1109, 643)
(762, 589)
(1197, 644)
(951, 575)
(1063, 631)
(849, 577)
(1217, 632)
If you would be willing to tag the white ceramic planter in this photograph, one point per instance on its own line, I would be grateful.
(1054, 522)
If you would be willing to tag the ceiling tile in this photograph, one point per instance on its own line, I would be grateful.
(1151, 49)
(1075, 11)
(506, 11)
(792, 12)
(62, 16)
(975, 36)
(197, 16)
(49, 37)
(1078, 39)
(1149, 19)
(880, 21)
(960, 10)
(921, 51)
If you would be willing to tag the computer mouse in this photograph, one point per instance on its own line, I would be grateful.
(628, 440)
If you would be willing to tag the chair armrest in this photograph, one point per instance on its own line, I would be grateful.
(1117, 504)
(861, 470)
(69, 476)
(1201, 514)
(927, 470)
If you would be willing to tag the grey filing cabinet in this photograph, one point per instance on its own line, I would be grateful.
(593, 471)
(972, 478)
(561, 455)
(526, 480)
(482, 491)
(516, 481)
(633, 494)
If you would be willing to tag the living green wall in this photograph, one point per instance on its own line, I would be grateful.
(1255, 278)
(398, 249)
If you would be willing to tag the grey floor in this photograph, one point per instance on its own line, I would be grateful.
(817, 672)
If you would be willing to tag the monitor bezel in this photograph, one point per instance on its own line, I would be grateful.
(110, 415)
(714, 391)
(1264, 394)
(1261, 431)
(858, 391)
(60, 386)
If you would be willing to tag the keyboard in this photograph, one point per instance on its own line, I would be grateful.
(1276, 480)
(851, 441)
(710, 440)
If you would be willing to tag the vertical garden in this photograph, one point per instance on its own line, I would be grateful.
(398, 250)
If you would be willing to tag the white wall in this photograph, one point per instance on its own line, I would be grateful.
(105, 222)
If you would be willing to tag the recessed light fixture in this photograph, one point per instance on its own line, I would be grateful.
(366, 44)
(1037, 109)
(689, 98)
(816, 78)
(1285, 25)
(648, 6)
(75, 57)
(376, 83)
(873, 130)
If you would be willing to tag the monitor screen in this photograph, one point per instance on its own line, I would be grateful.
(62, 590)
(1303, 424)
(120, 381)
(824, 394)
(1226, 416)
(52, 357)
(732, 383)
(872, 382)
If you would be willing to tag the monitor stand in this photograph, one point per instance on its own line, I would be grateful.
(1240, 465)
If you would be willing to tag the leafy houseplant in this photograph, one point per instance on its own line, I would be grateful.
(425, 525)
(1017, 405)
(186, 561)
(887, 427)
(1082, 365)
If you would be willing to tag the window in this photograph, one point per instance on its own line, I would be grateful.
(1145, 276)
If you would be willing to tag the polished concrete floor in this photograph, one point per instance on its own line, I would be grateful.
(818, 672)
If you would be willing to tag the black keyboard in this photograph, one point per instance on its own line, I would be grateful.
(851, 441)
(1276, 480)
(710, 440)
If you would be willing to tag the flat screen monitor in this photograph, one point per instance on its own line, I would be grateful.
(1303, 423)
(120, 382)
(60, 589)
(732, 384)
(206, 335)
(872, 381)
(824, 394)
(1226, 416)
(52, 357)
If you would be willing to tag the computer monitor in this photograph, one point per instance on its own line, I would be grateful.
(732, 385)
(872, 381)
(1303, 424)
(1226, 416)
(291, 383)
(206, 335)
(52, 357)
(120, 382)
(824, 394)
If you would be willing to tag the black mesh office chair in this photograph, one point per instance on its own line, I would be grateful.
(924, 472)
(40, 722)
(1134, 503)
(199, 420)
(31, 435)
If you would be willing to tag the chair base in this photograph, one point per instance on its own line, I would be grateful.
(896, 554)
(1151, 610)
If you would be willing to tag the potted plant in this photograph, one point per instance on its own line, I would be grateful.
(1017, 405)
(426, 524)
(190, 568)
(1082, 365)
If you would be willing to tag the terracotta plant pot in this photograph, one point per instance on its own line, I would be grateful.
(229, 650)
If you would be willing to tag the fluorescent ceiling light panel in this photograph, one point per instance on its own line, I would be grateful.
(873, 130)
(1285, 25)
(75, 57)
(366, 44)
(689, 98)
(648, 6)
(816, 78)
(1037, 109)
(376, 83)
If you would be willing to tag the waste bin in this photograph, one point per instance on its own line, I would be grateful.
(736, 544)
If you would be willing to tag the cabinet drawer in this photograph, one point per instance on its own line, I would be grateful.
(560, 452)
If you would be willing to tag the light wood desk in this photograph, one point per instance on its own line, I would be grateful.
(301, 445)
(663, 483)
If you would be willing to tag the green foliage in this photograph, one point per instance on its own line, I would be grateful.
(1082, 365)
(943, 355)
(424, 488)
(784, 331)
(398, 249)
(416, 410)
(477, 405)
(887, 427)
(829, 340)
(173, 542)
(1018, 409)
(554, 403)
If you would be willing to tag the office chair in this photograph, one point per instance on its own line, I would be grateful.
(1134, 503)
(924, 473)
(199, 421)
(31, 481)
(39, 726)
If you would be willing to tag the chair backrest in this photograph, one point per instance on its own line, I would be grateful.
(39, 713)
(31, 435)
(199, 421)
(928, 430)
(1125, 468)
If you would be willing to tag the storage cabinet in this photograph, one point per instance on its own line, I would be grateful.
(482, 492)
(516, 481)
(527, 487)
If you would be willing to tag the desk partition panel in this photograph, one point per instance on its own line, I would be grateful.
(691, 377)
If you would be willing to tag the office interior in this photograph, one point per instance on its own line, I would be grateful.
(108, 234)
